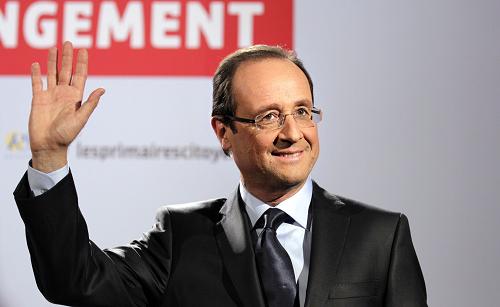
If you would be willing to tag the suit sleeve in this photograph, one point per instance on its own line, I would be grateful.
(71, 270)
(405, 285)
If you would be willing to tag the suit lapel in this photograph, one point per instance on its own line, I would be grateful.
(235, 245)
(329, 230)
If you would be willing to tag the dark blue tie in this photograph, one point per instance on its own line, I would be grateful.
(275, 266)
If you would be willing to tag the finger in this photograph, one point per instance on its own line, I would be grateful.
(36, 78)
(66, 64)
(52, 68)
(80, 75)
(89, 106)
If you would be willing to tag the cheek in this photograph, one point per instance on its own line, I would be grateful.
(313, 141)
(248, 148)
(258, 151)
(253, 147)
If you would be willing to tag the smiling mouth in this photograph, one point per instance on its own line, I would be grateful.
(288, 155)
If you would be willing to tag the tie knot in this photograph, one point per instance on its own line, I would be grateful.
(273, 218)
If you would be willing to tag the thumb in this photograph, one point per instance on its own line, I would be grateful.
(89, 106)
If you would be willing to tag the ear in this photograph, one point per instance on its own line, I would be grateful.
(222, 132)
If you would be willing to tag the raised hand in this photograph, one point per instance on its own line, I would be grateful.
(57, 113)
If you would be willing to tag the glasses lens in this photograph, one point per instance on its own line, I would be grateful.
(307, 117)
(268, 120)
(304, 121)
(304, 118)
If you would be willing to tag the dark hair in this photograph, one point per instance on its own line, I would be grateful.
(223, 101)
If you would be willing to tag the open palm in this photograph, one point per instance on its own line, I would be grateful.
(57, 112)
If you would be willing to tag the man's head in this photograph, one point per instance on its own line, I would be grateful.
(222, 95)
(253, 82)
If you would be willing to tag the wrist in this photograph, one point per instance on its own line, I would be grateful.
(49, 161)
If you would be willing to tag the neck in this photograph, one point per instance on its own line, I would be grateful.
(271, 194)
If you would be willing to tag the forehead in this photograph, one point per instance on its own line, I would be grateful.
(269, 83)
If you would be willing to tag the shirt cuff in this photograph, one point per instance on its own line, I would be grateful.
(42, 182)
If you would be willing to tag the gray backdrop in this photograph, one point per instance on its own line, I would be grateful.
(411, 96)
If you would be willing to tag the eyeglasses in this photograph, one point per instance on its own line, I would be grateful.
(272, 120)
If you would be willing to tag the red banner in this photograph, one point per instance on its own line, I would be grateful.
(176, 38)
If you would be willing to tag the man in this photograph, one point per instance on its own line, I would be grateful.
(278, 240)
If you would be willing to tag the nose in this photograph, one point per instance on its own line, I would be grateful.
(290, 131)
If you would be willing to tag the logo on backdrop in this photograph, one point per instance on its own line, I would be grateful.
(16, 144)
(177, 38)
(16, 141)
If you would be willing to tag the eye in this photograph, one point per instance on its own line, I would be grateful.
(269, 117)
(302, 113)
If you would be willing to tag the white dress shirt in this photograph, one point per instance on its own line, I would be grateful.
(290, 236)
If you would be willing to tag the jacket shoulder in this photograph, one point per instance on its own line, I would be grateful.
(358, 207)
(352, 207)
(206, 209)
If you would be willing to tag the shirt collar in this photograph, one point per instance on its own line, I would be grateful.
(296, 206)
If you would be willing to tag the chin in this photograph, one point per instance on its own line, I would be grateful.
(287, 181)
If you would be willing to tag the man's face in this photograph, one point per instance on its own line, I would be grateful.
(272, 159)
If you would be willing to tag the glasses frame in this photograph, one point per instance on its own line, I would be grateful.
(281, 121)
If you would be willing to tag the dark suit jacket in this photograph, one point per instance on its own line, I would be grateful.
(200, 254)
